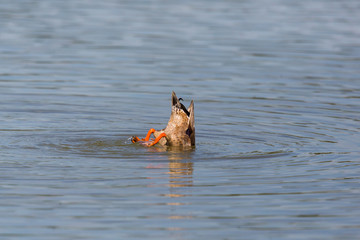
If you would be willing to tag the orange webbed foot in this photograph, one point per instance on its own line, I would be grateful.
(135, 139)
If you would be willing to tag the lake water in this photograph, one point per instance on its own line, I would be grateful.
(276, 86)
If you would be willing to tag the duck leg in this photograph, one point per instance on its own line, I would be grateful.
(135, 139)
(145, 141)
(151, 131)
(153, 142)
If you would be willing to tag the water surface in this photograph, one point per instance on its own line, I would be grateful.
(276, 89)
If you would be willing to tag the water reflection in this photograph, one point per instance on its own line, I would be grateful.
(181, 168)
(180, 179)
(180, 171)
(180, 174)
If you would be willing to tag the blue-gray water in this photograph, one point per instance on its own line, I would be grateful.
(276, 86)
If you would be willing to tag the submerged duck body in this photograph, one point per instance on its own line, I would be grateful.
(180, 130)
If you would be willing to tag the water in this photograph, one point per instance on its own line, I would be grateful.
(276, 89)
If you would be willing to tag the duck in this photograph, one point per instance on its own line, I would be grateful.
(180, 130)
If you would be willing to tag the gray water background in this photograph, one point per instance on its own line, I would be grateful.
(276, 86)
